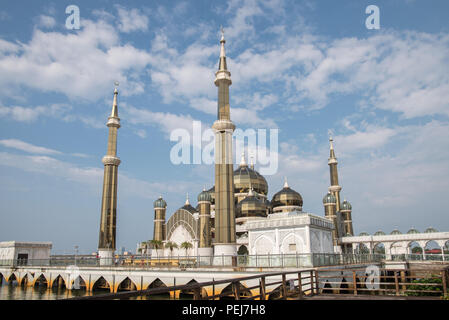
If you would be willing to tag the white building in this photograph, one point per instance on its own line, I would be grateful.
(24, 253)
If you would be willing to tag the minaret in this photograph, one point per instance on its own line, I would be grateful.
(334, 188)
(225, 242)
(106, 244)
(346, 210)
(330, 212)
(159, 231)
(205, 245)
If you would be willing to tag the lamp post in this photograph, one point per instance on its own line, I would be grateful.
(76, 253)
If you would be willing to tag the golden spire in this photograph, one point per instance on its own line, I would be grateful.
(114, 113)
(222, 65)
(285, 183)
(187, 199)
(331, 143)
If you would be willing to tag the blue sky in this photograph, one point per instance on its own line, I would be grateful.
(304, 67)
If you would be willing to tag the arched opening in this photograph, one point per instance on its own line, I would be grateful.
(432, 251)
(101, 285)
(12, 281)
(1, 279)
(344, 287)
(127, 285)
(24, 281)
(243, 250)
(79, 284)
(242, 255)
(379, 248)
(415, 250)
(228, 292)
(59, 283)
(41, 281)
(158, 284)
(362, 249)
(188, 294)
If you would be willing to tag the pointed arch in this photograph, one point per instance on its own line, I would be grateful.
(228, 292)
(157, 283)
(126, 285)
(58, 282)
(101, 284)
(40, 281)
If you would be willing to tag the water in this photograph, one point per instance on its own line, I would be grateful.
(15, 292)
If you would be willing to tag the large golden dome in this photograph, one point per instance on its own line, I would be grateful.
(286, 200)
(245, 178)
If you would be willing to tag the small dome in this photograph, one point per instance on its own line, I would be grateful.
(346, 206)
(212, 194)
(251, 206)
(363, 234)
(412, 230)
(379, 233)
(187, 206)
(396, 231)
(160, 203)
(430, 230)
(286, 197)
(329, 198)
(204, 196)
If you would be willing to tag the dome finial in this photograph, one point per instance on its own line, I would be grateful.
(243, 161)
(187, 199)
(285, 183)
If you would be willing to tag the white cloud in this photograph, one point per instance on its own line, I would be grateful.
(24, 114)
(131, 20)
(24, 146)
(47, 21)
(82, 65)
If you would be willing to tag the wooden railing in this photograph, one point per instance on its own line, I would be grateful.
(388, 282)
(304, 283)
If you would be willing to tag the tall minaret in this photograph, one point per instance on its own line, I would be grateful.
(225, 242)
(334, 188)
(106, 244)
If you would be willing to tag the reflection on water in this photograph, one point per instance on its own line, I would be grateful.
(12, 291)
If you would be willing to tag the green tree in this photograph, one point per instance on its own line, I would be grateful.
(186, 245)
(171, 245)
(156, 244)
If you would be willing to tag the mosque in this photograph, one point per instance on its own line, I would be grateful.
(235, 216)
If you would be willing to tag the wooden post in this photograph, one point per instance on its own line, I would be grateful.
(354, 282)
(284, 287)
(396, 282)
(197, 293)
(213, 289)
(300, 286)
(262, 288)
(236, 289)
(311, 282)
(403, 280)
(444, 280)
(317, 287)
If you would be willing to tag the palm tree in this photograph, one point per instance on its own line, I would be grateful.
(186, 245)
(156, 244)
(171, 245)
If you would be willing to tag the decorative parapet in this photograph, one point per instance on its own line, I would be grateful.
(111, 160)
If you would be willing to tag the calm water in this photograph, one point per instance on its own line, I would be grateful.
(14, 292)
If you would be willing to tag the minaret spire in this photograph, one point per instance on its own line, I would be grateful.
(225, 238)
(107, 238)
(285, 183)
